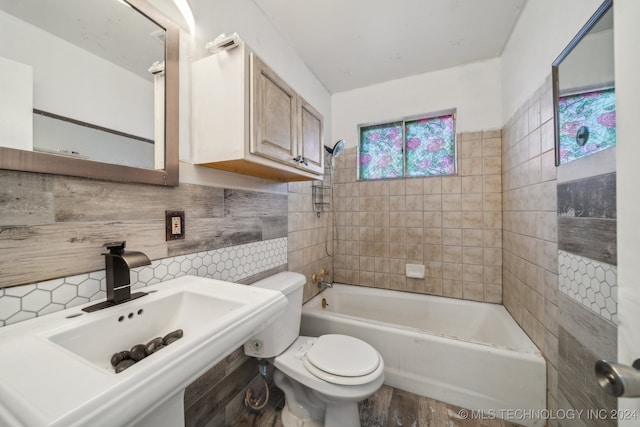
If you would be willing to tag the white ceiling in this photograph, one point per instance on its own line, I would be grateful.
(354, 43)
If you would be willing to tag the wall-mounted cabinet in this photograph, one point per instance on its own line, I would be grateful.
(246, 119)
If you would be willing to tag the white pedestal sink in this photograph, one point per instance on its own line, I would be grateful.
(55, 370)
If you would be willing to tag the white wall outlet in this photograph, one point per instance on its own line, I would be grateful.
(174, 225)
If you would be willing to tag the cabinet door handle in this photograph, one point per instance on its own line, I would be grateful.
(297, 159)
(303, 160)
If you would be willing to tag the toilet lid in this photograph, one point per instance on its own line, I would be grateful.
(342, 359)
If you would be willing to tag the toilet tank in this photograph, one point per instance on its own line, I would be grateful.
(279, 335)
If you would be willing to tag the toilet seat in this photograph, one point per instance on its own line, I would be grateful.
(343, 360)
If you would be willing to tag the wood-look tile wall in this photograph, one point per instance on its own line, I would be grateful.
(587, 217)
(452, 225)
(55, 226)
(587, 330)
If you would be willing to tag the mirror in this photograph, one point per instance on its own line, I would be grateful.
(584, 91)
(89, 89)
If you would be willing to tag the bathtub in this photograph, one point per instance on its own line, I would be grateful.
(465, 353)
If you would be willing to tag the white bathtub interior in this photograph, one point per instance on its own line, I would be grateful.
(465, 353)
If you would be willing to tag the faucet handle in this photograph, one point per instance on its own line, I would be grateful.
(115, 247)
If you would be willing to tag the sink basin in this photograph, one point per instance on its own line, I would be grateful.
(55, 370)
(97, 340)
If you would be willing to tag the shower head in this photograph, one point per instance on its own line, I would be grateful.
(337, 148)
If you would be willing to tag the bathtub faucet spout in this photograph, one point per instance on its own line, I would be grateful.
(322, 284)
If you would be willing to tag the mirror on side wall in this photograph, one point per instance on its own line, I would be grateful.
(584, 91)
(89, 89)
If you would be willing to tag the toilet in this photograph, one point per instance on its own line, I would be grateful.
(323, 378)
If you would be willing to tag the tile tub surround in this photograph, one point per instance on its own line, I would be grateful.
(530, 253)
(234, 264)
(308, 234)
(451, 224)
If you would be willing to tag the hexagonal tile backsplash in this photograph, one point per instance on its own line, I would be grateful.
(593, 284)
(233, 263)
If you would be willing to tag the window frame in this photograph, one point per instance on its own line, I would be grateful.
(448, 112)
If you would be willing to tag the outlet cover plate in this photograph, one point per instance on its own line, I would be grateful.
(174, 225)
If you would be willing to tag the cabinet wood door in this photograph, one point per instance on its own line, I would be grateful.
(310, 138)
(273, 116)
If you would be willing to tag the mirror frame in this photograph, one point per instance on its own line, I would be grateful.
(555, 74)
(30, 161)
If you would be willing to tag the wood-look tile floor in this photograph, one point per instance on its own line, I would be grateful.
(388, 407)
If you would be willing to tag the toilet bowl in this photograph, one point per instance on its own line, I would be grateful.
(323, 378)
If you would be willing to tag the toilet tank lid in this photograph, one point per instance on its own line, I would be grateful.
(285, 282)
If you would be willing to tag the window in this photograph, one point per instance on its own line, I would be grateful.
(408, 148)
(587, 123)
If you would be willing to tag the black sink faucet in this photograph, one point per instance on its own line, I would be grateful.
(118, 265)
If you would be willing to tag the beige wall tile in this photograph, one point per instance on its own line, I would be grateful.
(398, 250)
(432, 185)
(492, 184)
(452, 219)
(415, 251)
(382, 265)
(472, 202)
(451, 202)
(414, 202)
(432, 219)
(452, 224)
(471, 148)
(433, 236)
(472, 237)
(492, 147)
(492, 165)
(493, 293)
(397, 203)
(468, 136)
(413, 186)
(415, 219)
(472, 291)
(472, 273)
(473, 219)
(415, 235)
(397, 219)
(471, 166)
(432, 202)
(451, 184)
(397, 234)
(397, 187)
(452, 288)
(452, 254)
(433, 286)
(452, 271)
(415, 285)
(397, 266)
(472, 255)
(452, 236)
(492, 202)
(471, 184)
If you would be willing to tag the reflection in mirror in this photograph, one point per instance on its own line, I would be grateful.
(584, 91)
(86, 65)
(95, 83)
